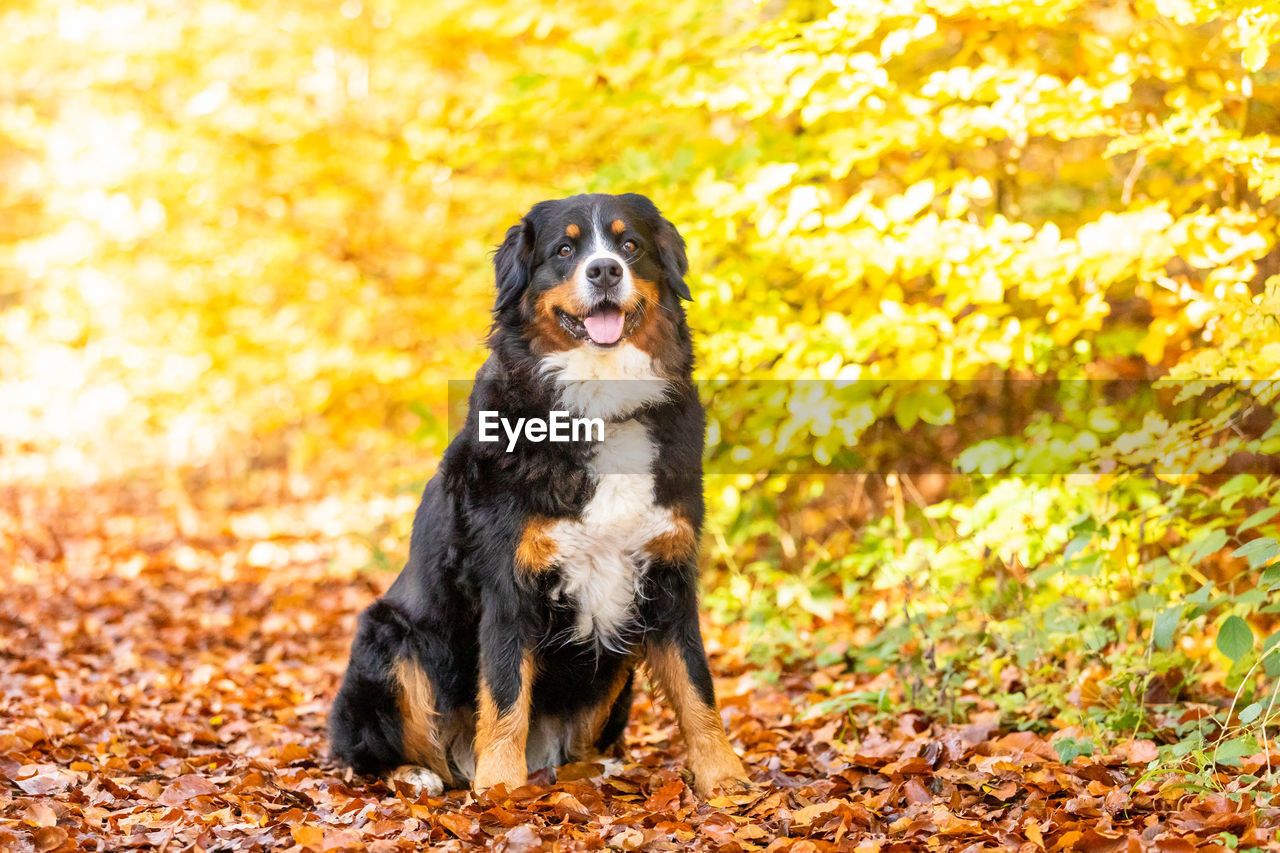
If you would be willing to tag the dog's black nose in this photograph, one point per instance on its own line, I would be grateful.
(604, 272)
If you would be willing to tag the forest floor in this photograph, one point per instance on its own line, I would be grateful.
(167, 659)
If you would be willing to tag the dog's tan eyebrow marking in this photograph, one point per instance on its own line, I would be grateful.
(572, 231)
(618, 226)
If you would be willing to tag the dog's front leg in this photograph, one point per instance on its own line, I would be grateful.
(506, 689)
(678, 663)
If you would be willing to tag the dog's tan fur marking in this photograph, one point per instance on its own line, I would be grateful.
(710, 757)
(656, 333)
(572, 231)
(536, 551)
(501, 738)
(420, 722)
(545, 331)
(675, 545)
(617, 226)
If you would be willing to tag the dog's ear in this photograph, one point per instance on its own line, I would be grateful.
(513, 264)
(674, 262)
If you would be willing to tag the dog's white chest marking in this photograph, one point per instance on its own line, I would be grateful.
(601, 555)
(609, 384)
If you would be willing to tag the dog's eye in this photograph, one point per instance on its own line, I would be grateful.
(565, 251)
(629, 246)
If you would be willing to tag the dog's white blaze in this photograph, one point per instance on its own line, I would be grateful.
(601, 555)
(585, 290)
(593, 382)
(599, 250)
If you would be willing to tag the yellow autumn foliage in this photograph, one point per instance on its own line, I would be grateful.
(228, 220)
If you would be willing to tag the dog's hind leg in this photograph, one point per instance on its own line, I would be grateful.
(383, 720)
(421, 736)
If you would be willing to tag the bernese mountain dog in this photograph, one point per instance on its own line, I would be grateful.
(542, 573)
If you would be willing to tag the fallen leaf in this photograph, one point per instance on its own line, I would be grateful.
(1140, 751)
(41, 814)
(308, 836)
(809, 814)
(661, 799)
(47, 779)
(577, 771)
(459, 825)
(48, 837)
(916, 792)
(520, 839)
(184, 788)
(628, 839)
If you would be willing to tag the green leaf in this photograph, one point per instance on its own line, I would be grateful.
(1270, 659)
(1258, 552)
(1161, 568)
(1201, 595)
(1251, 597)
(906, 411)
(1232, 751)
(1270, 575)
(1210, 543)
(1257, 518)
(1090, 566)
(931, 407)
(1235, 638)
(1250, 713)
(986, 457)
(1069, 748)
(1076, 545)
(1239, 484)
(1166, 623)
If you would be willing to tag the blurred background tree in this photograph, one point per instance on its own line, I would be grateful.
(258, 234)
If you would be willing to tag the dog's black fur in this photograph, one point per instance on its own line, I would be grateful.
(464, 611)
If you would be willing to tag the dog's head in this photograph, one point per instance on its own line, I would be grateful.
(593, 272)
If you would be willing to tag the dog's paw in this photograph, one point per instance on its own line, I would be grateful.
(731, 785)
(418, 779)
(500, 765)
(484, 784)
(726, 776)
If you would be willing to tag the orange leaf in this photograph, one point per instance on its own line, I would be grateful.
(460, 826)
(49, 837)
(308, 836)
(184, 788)
(662, 799)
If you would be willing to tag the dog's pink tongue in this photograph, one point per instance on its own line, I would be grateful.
(604, 326)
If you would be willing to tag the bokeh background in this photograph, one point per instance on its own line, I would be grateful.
(254, 236)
